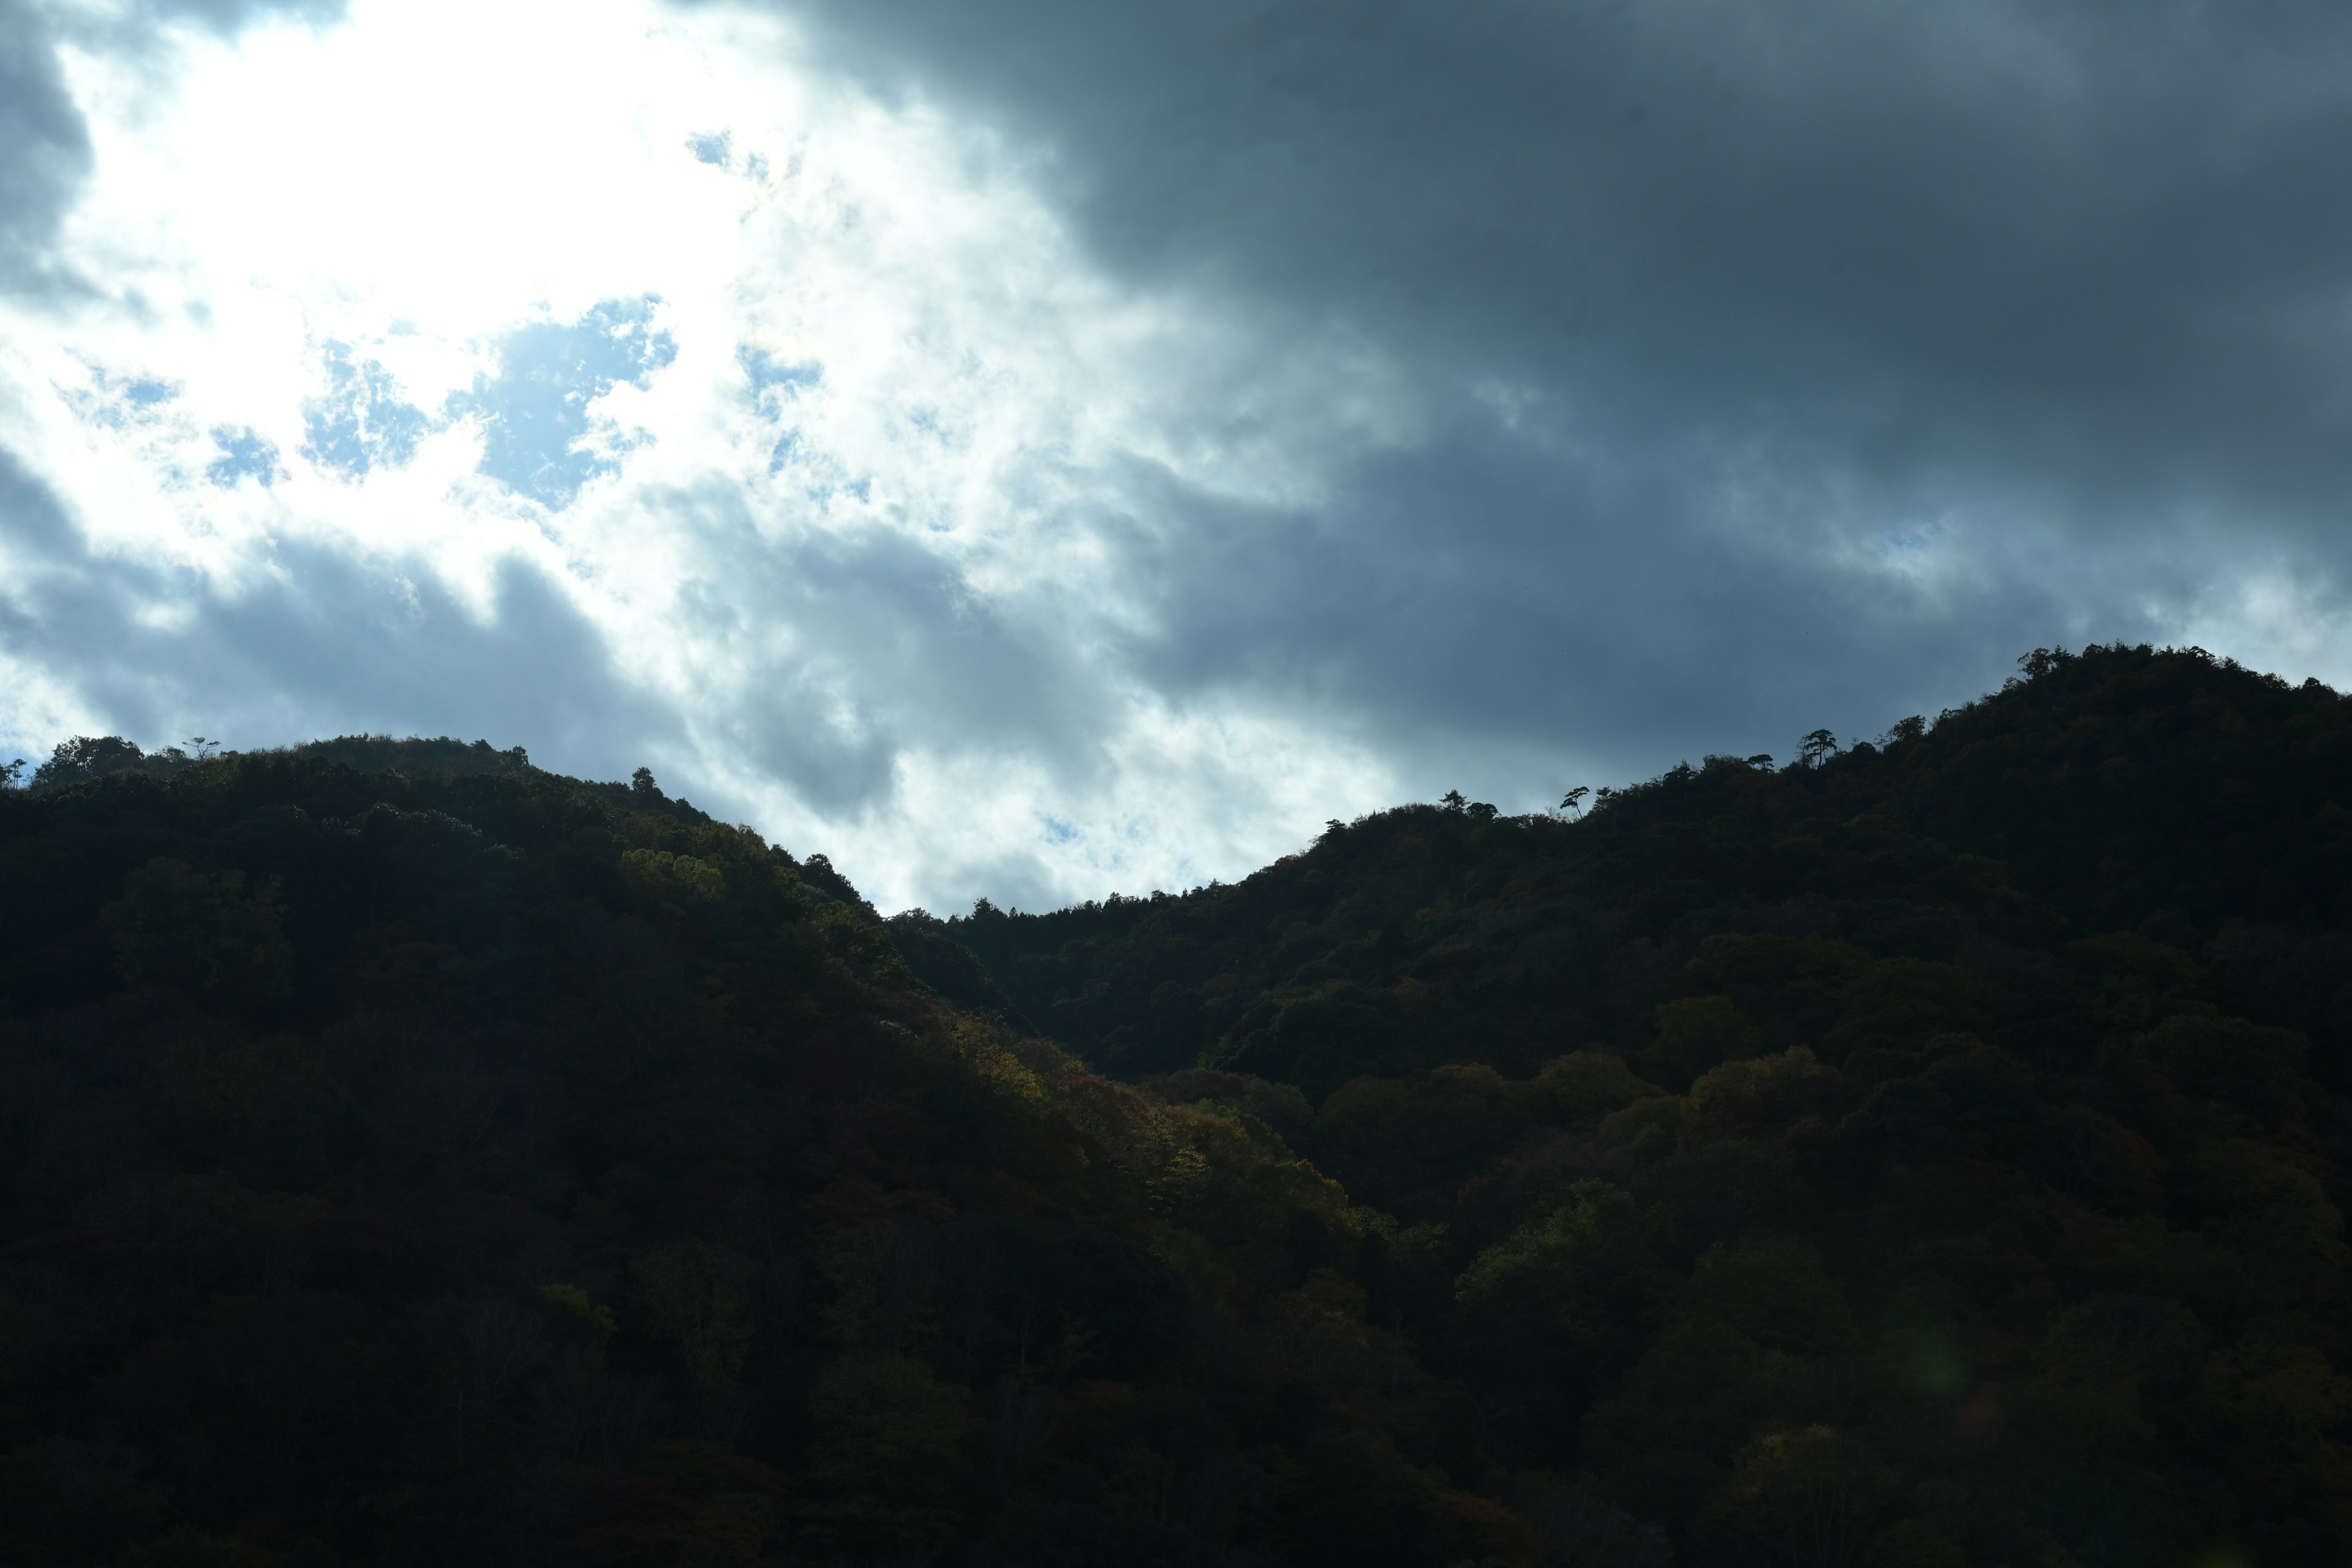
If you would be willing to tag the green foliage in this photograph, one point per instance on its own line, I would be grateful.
(1932, 1152)
(1972, 1104)
(1587, 1083)
(1544, 1314)
(452, 1162)
(175, 926)
(882, 1437)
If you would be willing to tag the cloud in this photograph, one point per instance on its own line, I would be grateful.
(2076, 267)
(812, 478)
(46, 145)
(1033, 449)
(321, 643)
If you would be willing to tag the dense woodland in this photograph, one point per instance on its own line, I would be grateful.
(1927, 1153)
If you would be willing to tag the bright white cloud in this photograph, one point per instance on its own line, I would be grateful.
(629, 297)
(1102, 510)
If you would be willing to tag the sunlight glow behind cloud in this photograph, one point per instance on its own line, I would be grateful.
(1068, 450)
(359, 276)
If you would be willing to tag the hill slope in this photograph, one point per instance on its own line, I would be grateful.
(458, 1163)
(1947, 1133)
(1931, 1154)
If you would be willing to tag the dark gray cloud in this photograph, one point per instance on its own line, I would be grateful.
(2055, 296)
(886, 652)
(44, 147)
(1487, 612)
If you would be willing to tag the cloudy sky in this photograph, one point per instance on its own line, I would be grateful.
(1034, 448)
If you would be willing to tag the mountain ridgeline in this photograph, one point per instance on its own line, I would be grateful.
(1928, 1154)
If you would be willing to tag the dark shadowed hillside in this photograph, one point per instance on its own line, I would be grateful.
(1927, 1153)
(452, 1162)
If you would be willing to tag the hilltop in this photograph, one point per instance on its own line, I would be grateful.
(1950, 1126)
(1926, 1152)
(454, 1163)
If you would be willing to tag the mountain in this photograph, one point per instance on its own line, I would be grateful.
(1928, 1153)
(453, 1162)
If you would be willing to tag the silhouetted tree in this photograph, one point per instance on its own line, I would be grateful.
(87, 757)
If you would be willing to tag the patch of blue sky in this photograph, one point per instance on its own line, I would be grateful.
(362, 423)
(787, 379)
(1056, 830)
(825, 490)
(243, 455)
(117, 402)
(535, 413)
(711, 147)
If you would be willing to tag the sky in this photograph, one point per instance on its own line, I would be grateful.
(1030, 450)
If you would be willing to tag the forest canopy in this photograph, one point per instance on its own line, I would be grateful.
(1929, 1151)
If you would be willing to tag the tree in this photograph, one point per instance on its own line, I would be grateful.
(1817, 748)
(1802, 1496)
(1453, 800)
(885, 1435)
(1573, 801)
(176, 926)
(87, 757)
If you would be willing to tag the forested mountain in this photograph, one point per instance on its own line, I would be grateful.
(1928, 1154)
(451, 1163)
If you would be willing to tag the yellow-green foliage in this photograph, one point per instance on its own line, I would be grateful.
(574, 1300)
(1232, 1192)
(992, 1060)
(680, 881)
(1587, 1083)
(1792, 1072)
